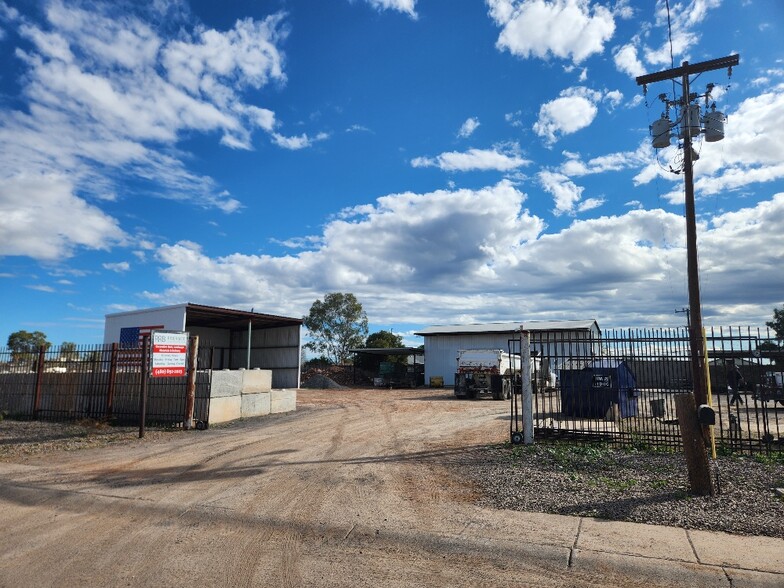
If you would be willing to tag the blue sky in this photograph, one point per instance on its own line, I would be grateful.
(447, 162)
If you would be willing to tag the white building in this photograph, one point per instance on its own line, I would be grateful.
(554, 339)
(228, 338)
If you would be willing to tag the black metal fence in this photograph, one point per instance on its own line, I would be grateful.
(620, 387)
(94, 382)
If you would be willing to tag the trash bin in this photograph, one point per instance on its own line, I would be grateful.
(593, 390)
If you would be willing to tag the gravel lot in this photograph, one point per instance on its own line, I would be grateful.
(641, 487)
(563, 478)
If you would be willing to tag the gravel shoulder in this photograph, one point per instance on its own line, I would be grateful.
(633, 486)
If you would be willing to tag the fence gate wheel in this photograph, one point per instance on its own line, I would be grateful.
(201, 425)
(517, 438)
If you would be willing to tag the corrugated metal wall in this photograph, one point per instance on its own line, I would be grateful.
(441, 352)
(276, 349)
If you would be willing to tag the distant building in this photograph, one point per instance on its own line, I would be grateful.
(228, 338)
(551, 338)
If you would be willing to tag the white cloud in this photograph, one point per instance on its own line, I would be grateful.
(42, 288)
(749, 153)
(468, 127)
(626, 60)
(574, 166)
(119, 267)
(33, 209)
(478, 255)
(119, 96)
(502, 158)
(568, 29)
(682, 19)
(572, 111)
(405, 6)
(566, 194)
(295, 143)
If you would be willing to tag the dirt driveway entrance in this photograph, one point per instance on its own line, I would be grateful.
(348, 491)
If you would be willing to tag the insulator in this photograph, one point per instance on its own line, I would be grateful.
(714, 126)
(661, 133)
(690, 121)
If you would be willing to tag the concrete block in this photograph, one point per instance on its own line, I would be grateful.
(254, 405)
(226, 383)
(284, 400)
(254, 381)
(224, 409)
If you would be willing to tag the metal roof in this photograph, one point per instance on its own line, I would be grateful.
(512, 327)
(200, 315)
(389, 350)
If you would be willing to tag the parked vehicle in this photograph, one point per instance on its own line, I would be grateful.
(497, 373)
(771, 388)
(485, 371)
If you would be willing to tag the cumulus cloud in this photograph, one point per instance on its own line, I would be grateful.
(566, 194)
(468, 127)
(626, 60)
(120, 94)
(502, 158)
(682, 19)
(573, 110)
(568, 29)
(33, 213)
(749, 153)
(448, 256)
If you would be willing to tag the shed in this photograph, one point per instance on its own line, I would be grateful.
(236, 338)
(553, 339)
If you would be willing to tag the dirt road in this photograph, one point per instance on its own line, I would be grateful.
(348, 491)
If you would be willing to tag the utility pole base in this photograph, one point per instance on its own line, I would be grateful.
(700, 480)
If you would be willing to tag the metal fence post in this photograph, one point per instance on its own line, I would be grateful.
(528, 396)
(39, 376)
(143, 390)
(112, 381)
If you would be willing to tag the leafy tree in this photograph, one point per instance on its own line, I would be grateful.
(22, 343)
(384, 339)
(777, 324)
(336, 324)
(68, 350)
(380, 340)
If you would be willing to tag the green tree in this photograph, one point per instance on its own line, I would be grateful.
(380, 340)
(335, 325)
(777, 324)
(384, 340)
(68, 351)
(22, 343)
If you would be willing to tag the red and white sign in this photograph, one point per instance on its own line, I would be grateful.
(169, 354)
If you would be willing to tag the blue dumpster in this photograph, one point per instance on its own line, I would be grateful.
(591, 391)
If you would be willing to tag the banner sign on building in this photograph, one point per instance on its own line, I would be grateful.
(169, 354)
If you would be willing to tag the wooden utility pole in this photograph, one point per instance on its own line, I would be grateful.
(696, 455)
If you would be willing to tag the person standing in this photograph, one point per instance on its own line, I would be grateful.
(734, 382)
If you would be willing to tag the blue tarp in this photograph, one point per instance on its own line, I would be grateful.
(591, 391)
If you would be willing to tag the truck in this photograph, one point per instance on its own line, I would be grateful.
(485, 371)
(498, 373)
